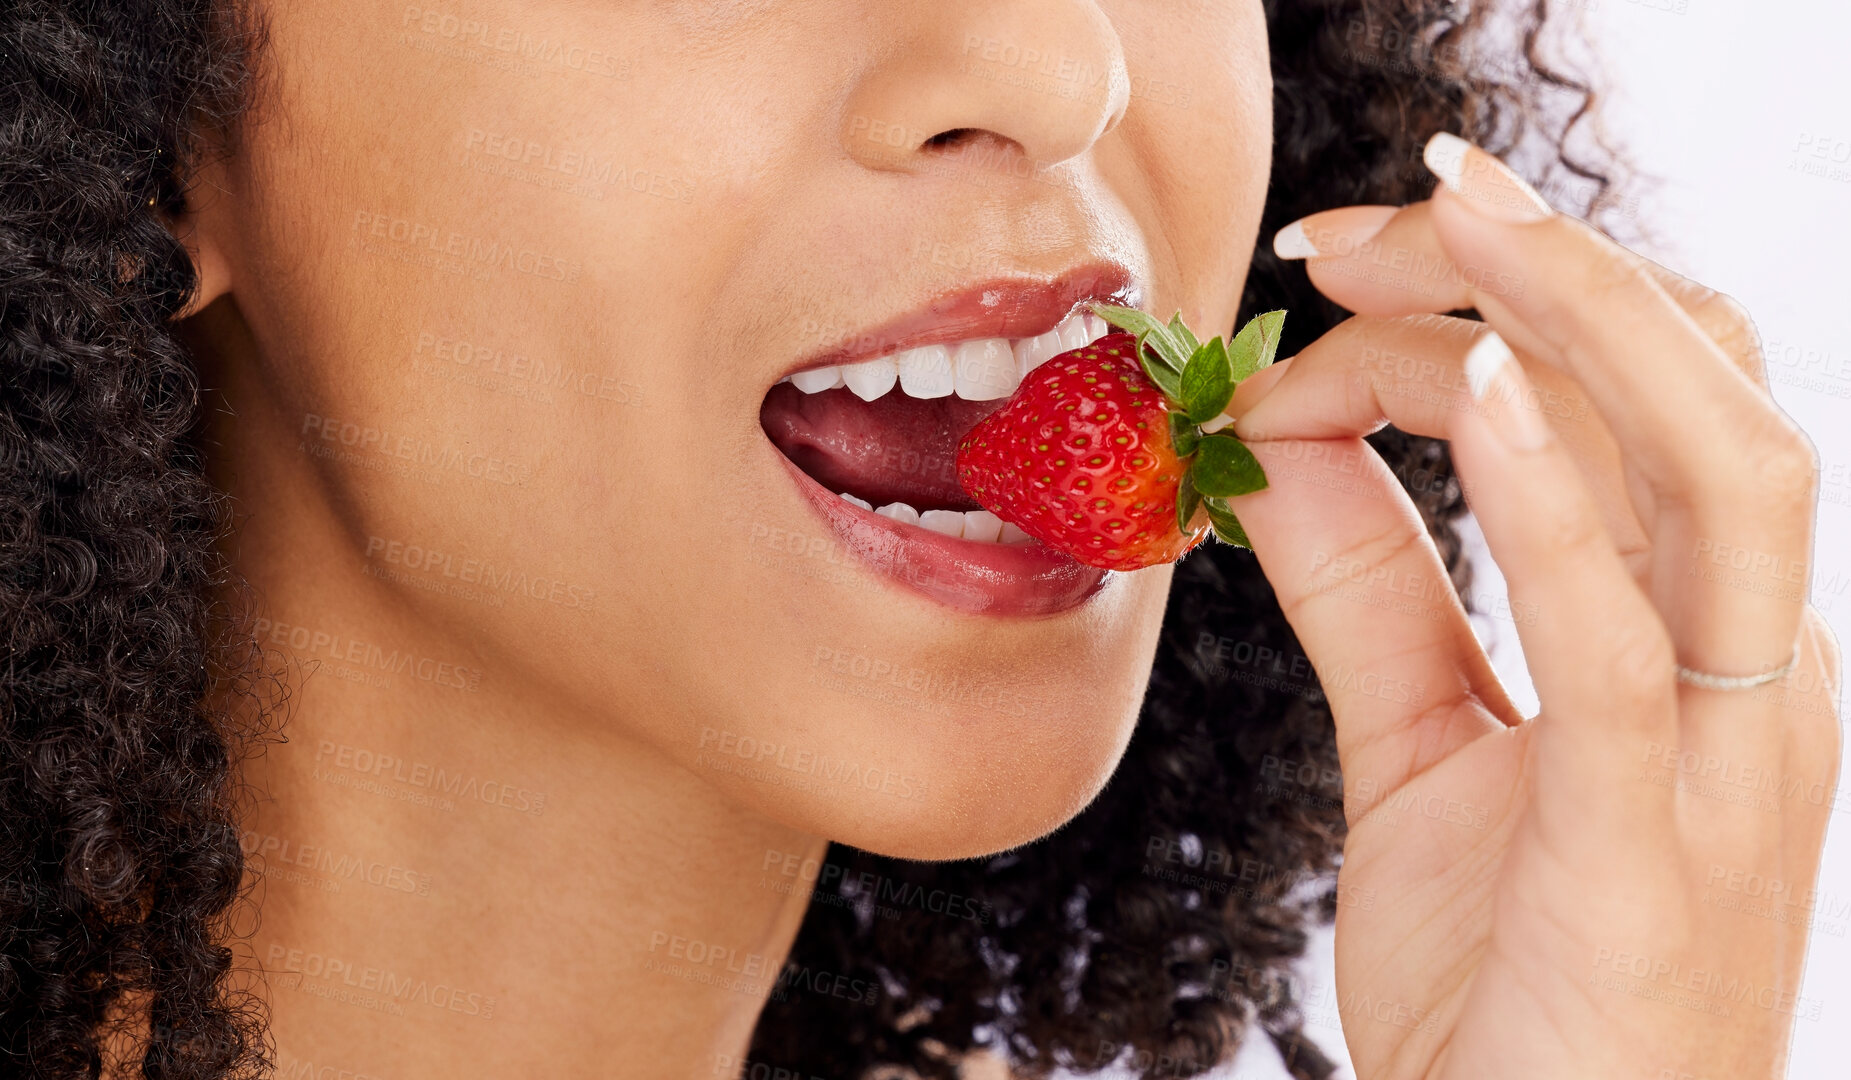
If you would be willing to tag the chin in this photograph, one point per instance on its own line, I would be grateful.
(995, 771)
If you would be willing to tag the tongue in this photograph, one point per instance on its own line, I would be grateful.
(892, 449)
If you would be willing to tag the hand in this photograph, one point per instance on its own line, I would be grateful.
(1619, 886)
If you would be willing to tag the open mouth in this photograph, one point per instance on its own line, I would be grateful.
(872, 441)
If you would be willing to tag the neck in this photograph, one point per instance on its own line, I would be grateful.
(460, 876)
(455, 885)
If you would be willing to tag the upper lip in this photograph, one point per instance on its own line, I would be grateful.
(1008, 307)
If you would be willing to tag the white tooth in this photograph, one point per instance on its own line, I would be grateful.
(1031, 353)
(900, 512)
(925, 372)
(984, 369)
(1096, 328)
(948, 522)
(871, 378)
(1072, 331)
(863, 503)
(816, 380)
(982, 525)
(1013, 535)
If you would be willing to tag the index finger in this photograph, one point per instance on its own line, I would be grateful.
(1388, 261)
(1625, 329)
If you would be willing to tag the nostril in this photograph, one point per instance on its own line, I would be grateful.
(963, 138)
(944, 140)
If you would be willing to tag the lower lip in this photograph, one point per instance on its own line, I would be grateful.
(968, 575)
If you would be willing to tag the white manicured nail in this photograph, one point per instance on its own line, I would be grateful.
(1486, 186)
(1497, 383)
(1445, 157)
(1482, 364)
(1292, 243)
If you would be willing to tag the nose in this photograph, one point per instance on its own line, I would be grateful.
(1046, 78)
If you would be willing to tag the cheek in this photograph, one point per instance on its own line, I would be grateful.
(424, 167)
(495, 233)
(1193, 154)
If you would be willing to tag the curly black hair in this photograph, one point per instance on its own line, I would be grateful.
(119, 860)
(1155, 929)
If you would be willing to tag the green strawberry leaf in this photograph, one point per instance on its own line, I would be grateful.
(1256, 345)
(1224, 466)
(1188, 500)
(1227, 527)
(1166, 380)
(1272, 327)
(1184, 435)
(1150, 333)
(1183, 335)
(1208, 382)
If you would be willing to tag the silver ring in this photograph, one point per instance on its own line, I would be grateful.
(1703, 680)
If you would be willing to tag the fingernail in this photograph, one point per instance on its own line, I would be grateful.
(1496, 379)
(1485, 184)
(1256, 386)
(1332, 232)
(1247, 396)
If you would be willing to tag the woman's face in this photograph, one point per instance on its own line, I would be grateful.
(526, 278)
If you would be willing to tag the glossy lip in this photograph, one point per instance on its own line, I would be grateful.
(988, 579)
(1000, 307)
(967, 575)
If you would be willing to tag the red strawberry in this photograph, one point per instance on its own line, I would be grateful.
(1100, 452)
(1081, 459)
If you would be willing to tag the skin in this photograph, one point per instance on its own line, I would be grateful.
(621, 849)
(772, 214)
